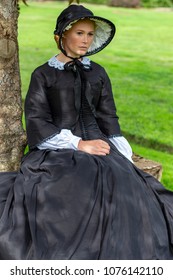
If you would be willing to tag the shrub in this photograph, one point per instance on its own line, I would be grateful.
(156, 3)
(125, 3)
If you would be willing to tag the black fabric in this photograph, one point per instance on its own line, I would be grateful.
(68, 204)
(52, 103)
(84, 107)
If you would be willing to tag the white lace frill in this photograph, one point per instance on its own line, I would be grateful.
(101, 36)
(54, 62)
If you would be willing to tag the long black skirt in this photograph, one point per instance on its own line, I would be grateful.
(68, 204)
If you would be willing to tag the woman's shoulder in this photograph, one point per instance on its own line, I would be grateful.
(99, 69)
(97, 66)
(44, 73)
(41, 69)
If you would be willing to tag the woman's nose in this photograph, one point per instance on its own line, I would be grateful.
(85, 38)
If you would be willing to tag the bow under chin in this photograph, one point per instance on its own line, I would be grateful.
(76, 65)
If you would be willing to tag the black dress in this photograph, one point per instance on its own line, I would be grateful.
(68, 204)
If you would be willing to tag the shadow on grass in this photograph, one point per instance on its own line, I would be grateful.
(153, 144)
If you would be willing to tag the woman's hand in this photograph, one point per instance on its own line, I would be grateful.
(94, 147)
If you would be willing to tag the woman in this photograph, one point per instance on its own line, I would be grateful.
(77, 194)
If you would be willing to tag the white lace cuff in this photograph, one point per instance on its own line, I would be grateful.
(123, 146)
(64, 140)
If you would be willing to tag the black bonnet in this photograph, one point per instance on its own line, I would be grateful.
(105, 29)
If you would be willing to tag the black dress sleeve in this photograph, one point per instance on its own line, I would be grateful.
(107, 118)
(39, 123)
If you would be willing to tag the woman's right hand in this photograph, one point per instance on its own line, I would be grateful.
(94, 147)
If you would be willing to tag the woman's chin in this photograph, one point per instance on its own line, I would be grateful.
(82, 52)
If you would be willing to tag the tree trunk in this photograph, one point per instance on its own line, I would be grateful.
(12, 135)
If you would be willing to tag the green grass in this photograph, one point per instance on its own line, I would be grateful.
(139, 62)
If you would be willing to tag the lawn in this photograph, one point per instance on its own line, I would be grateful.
(139, 62)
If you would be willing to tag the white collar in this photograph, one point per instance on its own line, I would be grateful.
(54, 62)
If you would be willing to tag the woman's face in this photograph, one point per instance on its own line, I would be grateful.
(77, 40)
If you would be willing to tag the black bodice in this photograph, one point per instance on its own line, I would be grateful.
(86, 118)
(77, 98)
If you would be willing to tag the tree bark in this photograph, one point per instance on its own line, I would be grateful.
(12, 135)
